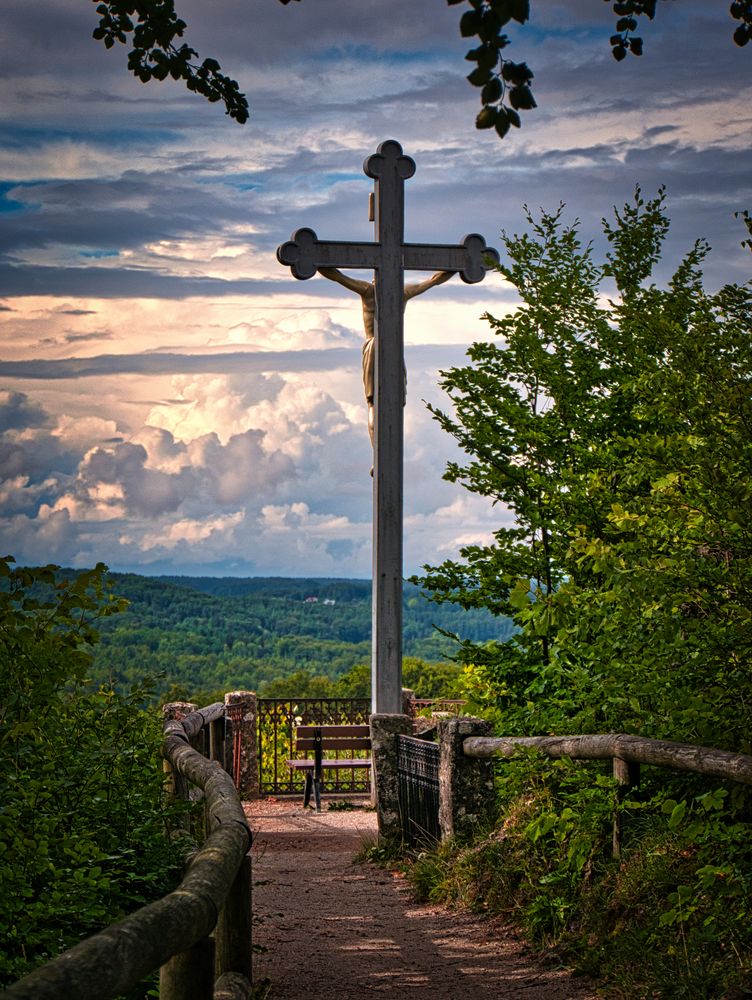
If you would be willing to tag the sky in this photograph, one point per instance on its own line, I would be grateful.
(172, 400)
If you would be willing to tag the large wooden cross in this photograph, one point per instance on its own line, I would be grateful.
(389, 256)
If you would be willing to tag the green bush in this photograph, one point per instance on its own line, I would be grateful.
(82, 825)
(670, 918)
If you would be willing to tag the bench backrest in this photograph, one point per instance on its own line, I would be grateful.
(334, 738)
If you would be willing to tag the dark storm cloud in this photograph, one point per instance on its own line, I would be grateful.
(111, 283)
(122, 213)
(33, 456)
(17, 412)
(76, 338)
(147, 492)
(158, 363)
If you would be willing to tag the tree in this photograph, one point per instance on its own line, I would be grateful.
(153, 28)
(619, 436)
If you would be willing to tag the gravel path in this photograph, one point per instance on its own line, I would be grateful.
(332, 928)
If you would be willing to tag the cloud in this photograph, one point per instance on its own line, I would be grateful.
(186, 533)
(16, 411)
(306, 329)
(250, 362)
(108, 282)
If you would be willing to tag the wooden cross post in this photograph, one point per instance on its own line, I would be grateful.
(389, 256)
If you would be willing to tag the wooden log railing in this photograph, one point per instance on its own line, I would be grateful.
(627, 753)
(173, 933)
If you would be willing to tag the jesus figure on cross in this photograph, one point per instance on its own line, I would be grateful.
(367, 292)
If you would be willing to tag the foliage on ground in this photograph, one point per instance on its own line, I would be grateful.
(668, 919)
(82, 825)
(613, 418)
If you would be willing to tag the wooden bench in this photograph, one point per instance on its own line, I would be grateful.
(321, 739)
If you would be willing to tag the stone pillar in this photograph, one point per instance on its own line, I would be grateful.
(466, 785)
(407, 699)
(384, 731)
(241, 708)
(177, 710)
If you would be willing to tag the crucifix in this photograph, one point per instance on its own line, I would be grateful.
(388, 257)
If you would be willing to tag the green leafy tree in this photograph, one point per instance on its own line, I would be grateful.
(82, 840)
(154, 30)
(612, 417)
(619, 437)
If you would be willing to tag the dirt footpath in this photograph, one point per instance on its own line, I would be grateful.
(335, 929)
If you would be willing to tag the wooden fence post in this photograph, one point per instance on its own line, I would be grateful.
(217, 741)
(175, 785)
(233, 947)
(189, 975)
(627, 776)
(233, 986)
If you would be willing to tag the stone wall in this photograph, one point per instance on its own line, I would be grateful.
(466, 785)
(384, 731)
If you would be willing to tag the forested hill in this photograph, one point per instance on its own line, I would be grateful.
(207, 634)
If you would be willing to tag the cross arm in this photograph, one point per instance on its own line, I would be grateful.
(305, 253)
(469, 259)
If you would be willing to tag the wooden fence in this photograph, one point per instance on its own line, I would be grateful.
(627, 753)
(173, 933)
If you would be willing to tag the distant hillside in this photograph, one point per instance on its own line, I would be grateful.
(215, 634)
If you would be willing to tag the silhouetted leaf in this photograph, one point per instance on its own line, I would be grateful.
(492, 91)
(486, 118)
(502, 126)
(470, 23)
(486, 56)
(479, 76)
(521, 10)
(521, 98)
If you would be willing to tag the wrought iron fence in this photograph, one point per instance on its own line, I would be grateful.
(418, 789)
(277, 719)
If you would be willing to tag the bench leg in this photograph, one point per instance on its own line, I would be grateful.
(307, 793)
(317, 793)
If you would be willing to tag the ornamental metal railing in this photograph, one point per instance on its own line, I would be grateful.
(277, 720)
(418, 789)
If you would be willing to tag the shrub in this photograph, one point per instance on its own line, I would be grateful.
(82, 825)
